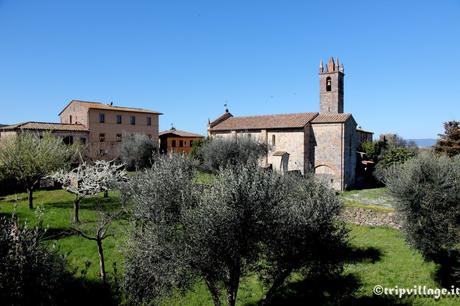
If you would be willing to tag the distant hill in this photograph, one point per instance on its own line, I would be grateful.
(424, 142)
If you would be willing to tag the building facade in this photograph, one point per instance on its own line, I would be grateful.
(99, 126)
(324, 143)
(177, 141)
(107, 123)
(68, 132)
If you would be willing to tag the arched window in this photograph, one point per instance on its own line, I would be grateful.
(328, 84)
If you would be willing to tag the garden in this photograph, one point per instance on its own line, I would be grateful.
(213, 230)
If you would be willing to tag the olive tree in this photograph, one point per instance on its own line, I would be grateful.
(218, 233)
(30, 273)
(30, 157)
(89, 179)
(216, 153)
(136, 150)
(156, 261)
(427, 190)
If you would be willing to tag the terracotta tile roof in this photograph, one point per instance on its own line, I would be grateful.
(180, 133)
(297, 120)
(45, 126)
(331, 118)
(97, 105)
(221, 118)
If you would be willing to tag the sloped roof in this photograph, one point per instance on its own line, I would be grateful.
(221, 118)
(98, 105)
(297, 120)
(364, 131)
(45, 126)
(331, 118)
(180, 133)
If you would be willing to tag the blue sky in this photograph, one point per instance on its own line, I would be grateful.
(187, 58)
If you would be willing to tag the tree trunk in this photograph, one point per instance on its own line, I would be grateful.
(234, 282)
(101, 259)
(30, 192)
(106, 194)
(76, 207)
(214, 293)
(277, 283)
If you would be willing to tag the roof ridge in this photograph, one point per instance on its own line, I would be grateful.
(45, 122)
(283, 114)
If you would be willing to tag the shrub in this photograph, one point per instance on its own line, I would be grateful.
(371, 149)
(427, 190)
(248, 220)
(392, 157)
(449, 142)
(136, 150)
(30, 274)
(196, 147)
(223, 152)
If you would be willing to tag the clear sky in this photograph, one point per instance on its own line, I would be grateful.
(187, 58)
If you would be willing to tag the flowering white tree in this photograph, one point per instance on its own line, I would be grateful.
(89, 179)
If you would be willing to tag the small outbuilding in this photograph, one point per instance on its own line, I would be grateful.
(177, 141)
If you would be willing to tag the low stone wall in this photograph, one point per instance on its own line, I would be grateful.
(370, 217)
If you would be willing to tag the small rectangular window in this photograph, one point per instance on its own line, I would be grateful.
(101, 137)
(273, 140)
(149, 121)
(173, 144)
(101, 118)
(133, 120)
(181, 143)
(118, 119)
(83, 140)
(118, 137)
(68, 140)
(70, 119)
(191, 143)
(150, 136)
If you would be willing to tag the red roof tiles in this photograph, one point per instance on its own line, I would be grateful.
(45, 126)
(297, 120)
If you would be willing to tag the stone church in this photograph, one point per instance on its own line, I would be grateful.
(325, 142)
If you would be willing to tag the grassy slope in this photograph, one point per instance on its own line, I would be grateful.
(395, 263)
(375, 198)
(57, 216)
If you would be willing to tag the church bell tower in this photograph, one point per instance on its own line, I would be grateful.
(331, 87)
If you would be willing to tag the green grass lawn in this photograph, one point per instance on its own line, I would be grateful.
(384, 257)
(375, 198)
(57, 217)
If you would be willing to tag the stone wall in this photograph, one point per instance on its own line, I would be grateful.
(328, 152)
(331, 101)
(350, 148)
(288, 140)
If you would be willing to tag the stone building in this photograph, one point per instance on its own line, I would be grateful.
(324, 142)
(177, 141)
(106, 124)
(68, 132)
(99, 126)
